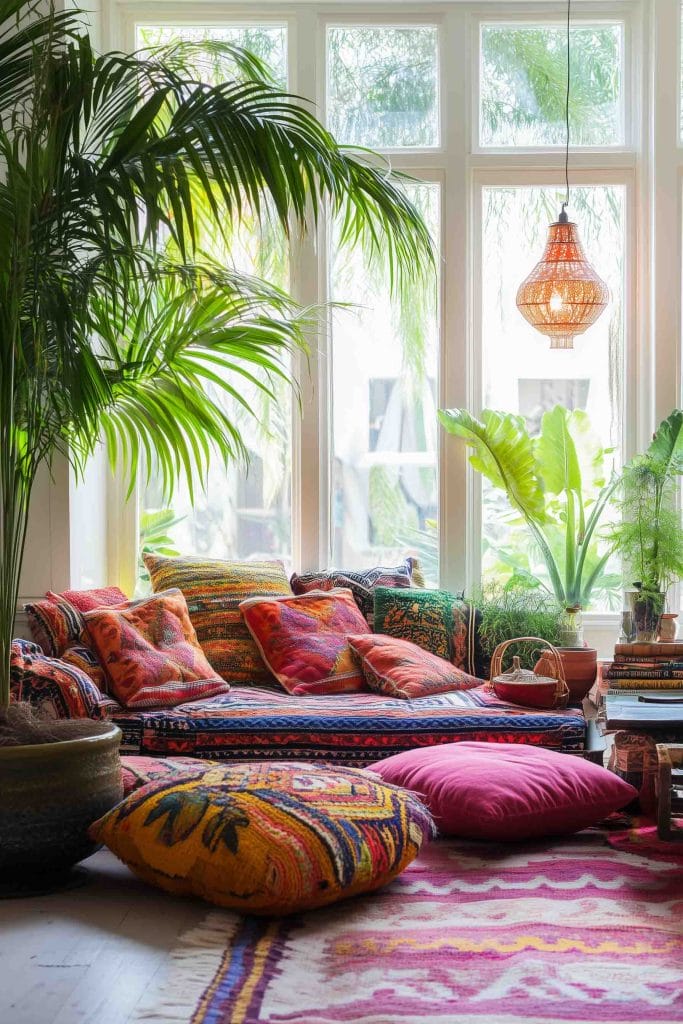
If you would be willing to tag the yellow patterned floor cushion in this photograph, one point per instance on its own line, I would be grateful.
(213, 589)
(268, 838)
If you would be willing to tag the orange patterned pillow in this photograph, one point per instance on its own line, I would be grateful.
(399, 668)
(150, 652)
(303, 639)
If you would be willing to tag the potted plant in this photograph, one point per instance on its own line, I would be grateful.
(648, 536)
(515, 609)
(559, 484)
(114, 323)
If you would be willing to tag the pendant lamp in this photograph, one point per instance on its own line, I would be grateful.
(563, 296)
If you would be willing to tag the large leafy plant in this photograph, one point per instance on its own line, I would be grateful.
(558, 485)
(112, 321)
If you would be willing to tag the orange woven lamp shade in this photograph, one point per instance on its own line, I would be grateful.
(562, 296)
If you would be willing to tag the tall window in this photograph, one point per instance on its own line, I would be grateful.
(239, 511)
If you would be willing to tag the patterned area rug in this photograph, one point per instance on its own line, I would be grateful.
(469, 934)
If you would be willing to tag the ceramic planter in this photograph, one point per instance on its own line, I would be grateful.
(49, 794)
(580, 666)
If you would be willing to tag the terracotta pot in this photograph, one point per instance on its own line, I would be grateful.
(580, 666)
(50, 793)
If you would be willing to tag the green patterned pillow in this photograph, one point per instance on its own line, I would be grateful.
(435, 620)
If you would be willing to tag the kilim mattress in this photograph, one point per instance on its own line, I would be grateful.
(251, 723)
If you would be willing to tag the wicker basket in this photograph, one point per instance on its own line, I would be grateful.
(520, 686)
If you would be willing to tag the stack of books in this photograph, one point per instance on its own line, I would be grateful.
(645, 666)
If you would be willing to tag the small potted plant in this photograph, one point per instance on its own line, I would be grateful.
(514, 609)
(649, 536)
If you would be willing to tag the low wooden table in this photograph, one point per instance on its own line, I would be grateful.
(669, 790)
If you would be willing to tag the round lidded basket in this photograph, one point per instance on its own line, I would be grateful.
(521, 686)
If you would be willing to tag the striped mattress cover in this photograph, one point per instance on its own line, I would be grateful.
(251, 723)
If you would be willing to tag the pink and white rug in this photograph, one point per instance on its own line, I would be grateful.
(469, 934)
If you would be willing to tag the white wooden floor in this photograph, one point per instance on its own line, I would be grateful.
(87, 956)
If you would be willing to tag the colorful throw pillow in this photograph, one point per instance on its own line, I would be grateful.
(85, 659)
(86, 600)
(137, 771)
(398, 668)
(435, 620)
(303, 640)
(266, 838)
(506, 791)
(214, 590)
(57, 689)
(150, 653)
(362, 583)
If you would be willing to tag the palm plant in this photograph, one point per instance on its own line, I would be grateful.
(111, 320)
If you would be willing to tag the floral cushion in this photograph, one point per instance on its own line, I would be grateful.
(361, 583)
(150, 652)
(58, 689)
(214, 590)
(303, 640)
(435, 620)
(268, 838)
(399, 668)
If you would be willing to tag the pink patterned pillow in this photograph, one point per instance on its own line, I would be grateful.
(150, 652)
(303, 639)
(399, 668)
(86, 600)
(506, 791)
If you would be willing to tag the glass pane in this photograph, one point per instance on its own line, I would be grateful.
(268, 42)
(520, 372)
(524, 78)
(382, 86)
(384, 386)
(243, 511)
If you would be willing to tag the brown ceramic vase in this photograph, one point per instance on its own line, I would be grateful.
(580, 665)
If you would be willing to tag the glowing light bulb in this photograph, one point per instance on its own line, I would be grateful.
(556, 302)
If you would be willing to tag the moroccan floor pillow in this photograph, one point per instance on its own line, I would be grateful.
(137, 771)
(303, 640)
(436, 620)
(214, 589)
(149, 650)
(362, 583)
(399, 668)
(506, 791)
(268, 838)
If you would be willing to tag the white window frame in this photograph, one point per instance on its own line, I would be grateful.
(649, 164)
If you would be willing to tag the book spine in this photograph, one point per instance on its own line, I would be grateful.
(616, 672)
(645, 684)
(650, 659)
(649, 649)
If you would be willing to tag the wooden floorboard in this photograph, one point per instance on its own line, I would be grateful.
(88, 955)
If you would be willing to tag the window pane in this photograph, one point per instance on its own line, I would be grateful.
(384, 385)
(520, 372)
(268, 42)
(523, 85)
(382, 86)
(243, 511)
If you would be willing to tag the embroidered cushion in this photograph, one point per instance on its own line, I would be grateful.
(137, 771)
(268, 838)
(214, 590)
(54, 625)
(59, 690)
(150, 653)
(303, 640)
(506, 791)
(361, 583)
(85, 659)
(436, 620)
(398, 668)
(86, 600)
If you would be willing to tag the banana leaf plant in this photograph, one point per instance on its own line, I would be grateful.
(557, 483)
(112, 321)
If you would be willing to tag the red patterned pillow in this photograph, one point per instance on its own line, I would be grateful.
(58, 689)
(86, 600)
(399, 668)
(303, 639)
(85, 659)
(149, 650)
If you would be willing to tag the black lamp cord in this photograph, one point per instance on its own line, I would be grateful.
(563, 214)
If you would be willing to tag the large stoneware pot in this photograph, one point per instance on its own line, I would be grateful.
(49, 794)
(580, 666)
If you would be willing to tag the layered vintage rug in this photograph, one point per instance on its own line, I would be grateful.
(577, 930)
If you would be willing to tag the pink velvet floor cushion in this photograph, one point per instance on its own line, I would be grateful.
(506, 791)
